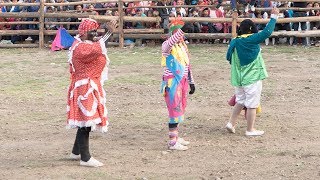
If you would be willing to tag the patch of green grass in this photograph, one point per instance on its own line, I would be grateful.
(135, 56)
(138, 79)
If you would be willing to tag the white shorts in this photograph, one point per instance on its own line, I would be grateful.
(249, 96)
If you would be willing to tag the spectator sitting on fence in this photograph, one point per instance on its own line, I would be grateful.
(127, 24)
(32, 26)
(302, 24)
(17, 38)
(85, 6)
(78, 10)
(156, 14)
(195, 27)
(14, 8)
(152, 3)
(282, 27)
(49, 1)
(108, 13)
(109, 5)
(313, 25)
(179, 10)
(50, 26)
(63, 9)
(132, 7)
(205, 25)
(3, 8)
(139, 25)
(4, 27)
(193, 2)
(115, 13)
(150, 25)
(144, 3)
(99, 6)
(202, 3)
(215, 27)
(316, 24)
(91, 10)
(164, 14)
(259, 15)
(227, 26)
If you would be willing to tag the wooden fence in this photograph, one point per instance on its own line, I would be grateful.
(122, 33)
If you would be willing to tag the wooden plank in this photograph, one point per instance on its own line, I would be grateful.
(188, 35)
(297, 0)
(285, 20)
(313, 33)
(204, 19)
(101, 18)
(80, 2)
(19, 4)
(41, 26)
(62, 23)
(18, 32)
(72, 32)
(18, 22)
(287, 8)
(19, 15)
(120, 23)
(234, 24)
(19, 45)
(138, 31)
(65, 15)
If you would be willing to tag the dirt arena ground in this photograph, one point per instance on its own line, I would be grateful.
(35, 144)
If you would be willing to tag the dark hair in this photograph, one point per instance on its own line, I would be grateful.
(75, 6)
(247, 27)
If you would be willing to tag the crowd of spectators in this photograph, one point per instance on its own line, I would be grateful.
(146, 9)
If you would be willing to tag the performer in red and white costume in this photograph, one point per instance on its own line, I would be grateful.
(86, 97)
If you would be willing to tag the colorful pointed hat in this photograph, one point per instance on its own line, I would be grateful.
(177, 23)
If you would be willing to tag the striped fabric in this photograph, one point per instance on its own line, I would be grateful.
(166, 50)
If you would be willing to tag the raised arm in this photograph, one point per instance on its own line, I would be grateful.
(167, 45)
(111, 27)
(267, 31)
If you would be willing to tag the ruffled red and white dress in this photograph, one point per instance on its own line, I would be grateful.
(86, 97)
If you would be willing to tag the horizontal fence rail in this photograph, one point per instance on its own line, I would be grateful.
(122, 33)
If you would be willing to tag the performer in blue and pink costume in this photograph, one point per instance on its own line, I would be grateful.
(177, 77)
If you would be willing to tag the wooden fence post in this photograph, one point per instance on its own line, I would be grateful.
(120, 27)
(41, 25)
(234, 24)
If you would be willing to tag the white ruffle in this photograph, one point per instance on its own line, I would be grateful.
(70, 54)
(89, 123)
(104, 74)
